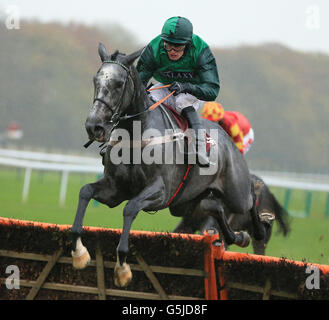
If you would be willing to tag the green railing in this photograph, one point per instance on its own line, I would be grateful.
(307, 205)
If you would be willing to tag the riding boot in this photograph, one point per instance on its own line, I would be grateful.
(200, 141)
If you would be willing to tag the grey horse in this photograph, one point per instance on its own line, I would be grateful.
(122, 103)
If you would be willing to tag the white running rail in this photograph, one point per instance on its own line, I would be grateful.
(67, 163)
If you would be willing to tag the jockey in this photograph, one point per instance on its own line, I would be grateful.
(182, 59)
(234, 123)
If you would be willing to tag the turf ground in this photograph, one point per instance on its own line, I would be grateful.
(308, 240)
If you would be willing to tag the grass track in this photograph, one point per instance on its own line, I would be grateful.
(309, 239)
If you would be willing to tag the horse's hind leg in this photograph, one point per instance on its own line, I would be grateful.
(216, 209)
(192, 217)
(186, 225)
(209, 223)
(258, 226)
(259, 246)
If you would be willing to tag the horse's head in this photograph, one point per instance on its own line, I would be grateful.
(114, 90)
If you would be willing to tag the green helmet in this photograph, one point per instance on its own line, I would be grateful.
(177, 30)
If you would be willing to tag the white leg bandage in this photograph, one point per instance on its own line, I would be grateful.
(178, 102)
(79, 250)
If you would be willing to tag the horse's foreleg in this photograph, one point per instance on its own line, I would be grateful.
(80, 253)
(150, 198)
(99, 191)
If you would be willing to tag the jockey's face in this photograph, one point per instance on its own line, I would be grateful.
(175, 52)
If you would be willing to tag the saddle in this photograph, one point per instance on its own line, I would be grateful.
(183, 125)
(179, 125)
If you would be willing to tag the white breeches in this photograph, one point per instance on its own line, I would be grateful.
(178, 102)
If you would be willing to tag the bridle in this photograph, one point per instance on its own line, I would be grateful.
(115, 119)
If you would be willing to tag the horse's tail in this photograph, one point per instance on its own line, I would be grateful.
(281, 215)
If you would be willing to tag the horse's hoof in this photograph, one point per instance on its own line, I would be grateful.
(80, 259)
(122, 275)
(267, 217)
(242, 239)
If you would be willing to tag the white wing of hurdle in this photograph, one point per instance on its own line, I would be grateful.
(86, 166)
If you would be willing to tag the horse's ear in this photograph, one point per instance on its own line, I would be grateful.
(102, 52)
(128, 60)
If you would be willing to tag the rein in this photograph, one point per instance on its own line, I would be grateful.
(116, 118)
(115, 113)
(153, 106)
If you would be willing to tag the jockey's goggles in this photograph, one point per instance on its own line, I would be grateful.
(169, 46)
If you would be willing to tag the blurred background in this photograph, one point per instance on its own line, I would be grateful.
(272, 59)
(273, 62)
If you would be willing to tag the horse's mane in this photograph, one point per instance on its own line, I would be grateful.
(118, 56)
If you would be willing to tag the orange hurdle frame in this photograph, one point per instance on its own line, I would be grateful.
(209, 262)
(214, 251)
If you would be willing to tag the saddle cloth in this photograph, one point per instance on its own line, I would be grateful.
(182, 124)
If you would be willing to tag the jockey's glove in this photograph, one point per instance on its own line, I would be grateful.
(179, 87)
